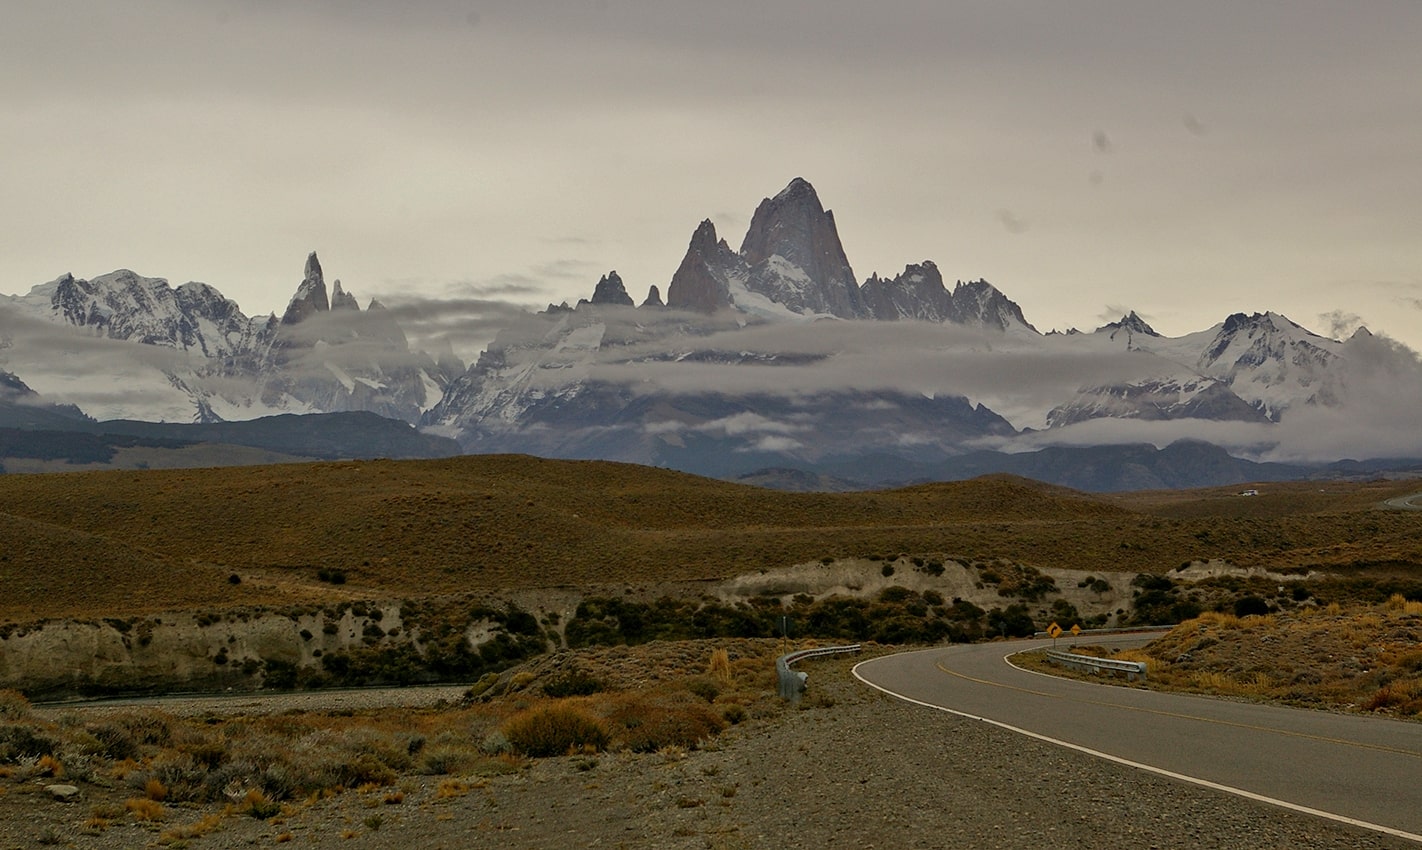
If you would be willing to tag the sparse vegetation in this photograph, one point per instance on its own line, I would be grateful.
(487, 522)
(1355, 657)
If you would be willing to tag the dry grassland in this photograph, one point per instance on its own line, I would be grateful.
(92, 544)
(183, 777)
(1339, 657)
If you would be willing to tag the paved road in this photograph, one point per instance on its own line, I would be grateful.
(1405, 503)
(1361, 770)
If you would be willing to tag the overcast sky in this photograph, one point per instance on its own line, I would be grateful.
(1186, 160)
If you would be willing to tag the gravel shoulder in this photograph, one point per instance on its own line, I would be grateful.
(851, 768)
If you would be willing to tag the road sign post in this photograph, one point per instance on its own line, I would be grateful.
(1055, 631)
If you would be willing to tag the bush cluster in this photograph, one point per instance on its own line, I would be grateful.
(896, 615)
(556, 729)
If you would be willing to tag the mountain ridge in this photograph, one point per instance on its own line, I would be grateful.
(770, 356)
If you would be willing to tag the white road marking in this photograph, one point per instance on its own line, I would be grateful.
(1160, 771)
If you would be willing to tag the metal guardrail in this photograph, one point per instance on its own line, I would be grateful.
(792, 682)
(1091, 663)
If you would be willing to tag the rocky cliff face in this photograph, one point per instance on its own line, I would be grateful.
(702, 283)
(980, 304)
(324, 355)
(918, 293)
(795, 256)
(125, 306)
(611, 291)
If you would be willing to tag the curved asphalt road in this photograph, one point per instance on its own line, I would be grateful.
(1365, 771)
(1405, 503)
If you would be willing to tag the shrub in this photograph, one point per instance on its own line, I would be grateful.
(280, 675)
(147, 729)
(14, 706)
(1250, 606)
(574, 683)
(19, 741)
(556, 729)
(646, 724)
(256, 805)
(113, 741)
(704, 688)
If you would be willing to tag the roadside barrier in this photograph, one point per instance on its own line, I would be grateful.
(1092, 664)
(792, 682)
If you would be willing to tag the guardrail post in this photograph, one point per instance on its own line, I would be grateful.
(793, 682)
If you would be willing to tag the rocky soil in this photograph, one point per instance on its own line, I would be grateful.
(849, 768)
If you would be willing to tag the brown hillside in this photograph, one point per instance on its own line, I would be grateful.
(480, 523)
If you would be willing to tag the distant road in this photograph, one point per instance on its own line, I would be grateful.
(1365, 771)
(270, 702)
(1405, 503)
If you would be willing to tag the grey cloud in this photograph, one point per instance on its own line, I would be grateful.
(1019, 379)
(1243, 438)
(565, 270)
(1340, 325)
(506, 284)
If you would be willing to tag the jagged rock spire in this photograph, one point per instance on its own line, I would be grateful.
(654, 297)
(701, 281)
(918, 293)
(310, 297)
(795, 256)
(609, 290)
(342, 300)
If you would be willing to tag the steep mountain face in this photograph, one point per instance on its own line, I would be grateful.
(771, 356)
(125, 306)
(1245, 369)
(610, 290)
(328, 356)
(1157, 400)
(1127, 329)
(980, 304)
(1265, 360)
(795, 256)
(606, 380)
(580, 383)
(324, 354)
(22, 407)
(1271, 362)
(703, 281)
(918, 293)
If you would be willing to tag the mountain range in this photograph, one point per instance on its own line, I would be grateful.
(771, 357)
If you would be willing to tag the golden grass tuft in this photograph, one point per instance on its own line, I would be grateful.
(720, 666)
(145, 809)
(1399, 604)
(189, 831)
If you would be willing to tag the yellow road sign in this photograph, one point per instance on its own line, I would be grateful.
(1054, 630)
(1076, 629)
